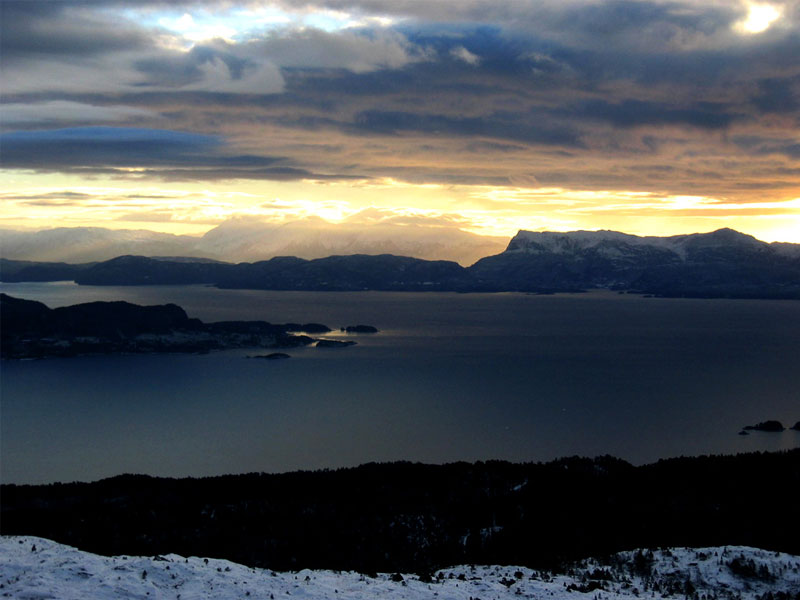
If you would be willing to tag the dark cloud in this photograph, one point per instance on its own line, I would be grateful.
(634, 113)
(789, 148)
(778, 95)
(65, 195)
(32, 29)
(105, 146)
(154, 152)
(528, 129)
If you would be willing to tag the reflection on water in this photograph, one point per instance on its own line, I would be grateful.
(450, 377)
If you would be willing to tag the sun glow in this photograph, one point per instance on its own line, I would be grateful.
(760, 17)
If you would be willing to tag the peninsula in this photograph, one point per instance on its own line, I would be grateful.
(30, 329)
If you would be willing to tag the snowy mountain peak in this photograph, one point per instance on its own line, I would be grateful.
(611, 243)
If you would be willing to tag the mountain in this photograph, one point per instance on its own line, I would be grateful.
(721, 263)
(341, 273)
(25, 270)
(90, 244)
(238, 240)
(38, 568)
(246, 240)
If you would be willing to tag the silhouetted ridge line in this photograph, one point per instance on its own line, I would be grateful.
(723, 263)
(417, 517)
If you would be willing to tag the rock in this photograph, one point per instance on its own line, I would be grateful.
(334, 343)
(771, 426)
(361, 329)
(272, 356)
(743, 432)
(796, 426)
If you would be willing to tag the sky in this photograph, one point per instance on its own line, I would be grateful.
(653, 117)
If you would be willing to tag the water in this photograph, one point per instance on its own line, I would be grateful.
(450, 377)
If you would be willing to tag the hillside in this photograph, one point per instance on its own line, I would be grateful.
(417, 517)
(38, 568)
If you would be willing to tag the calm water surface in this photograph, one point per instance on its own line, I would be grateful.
(450, 377)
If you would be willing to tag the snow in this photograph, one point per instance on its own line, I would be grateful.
(609, 241)
(614, 244)
(35, 568)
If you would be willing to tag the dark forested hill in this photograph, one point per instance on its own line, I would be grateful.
(402, 516)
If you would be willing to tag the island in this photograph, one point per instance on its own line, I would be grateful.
(30, 329)
(360, 329)
(770, 426)
(335, 343)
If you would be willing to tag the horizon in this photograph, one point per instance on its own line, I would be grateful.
(242, 247)
(334, 224)
(649, 118)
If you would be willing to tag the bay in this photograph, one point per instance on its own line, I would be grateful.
(449, 377)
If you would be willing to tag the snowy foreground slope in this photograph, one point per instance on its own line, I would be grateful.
(35, 568)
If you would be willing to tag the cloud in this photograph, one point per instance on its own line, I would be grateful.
(137, 152)
(764, 146)
(527, 128)
(61, 111)
(359, 51)
(401, 216)
(462, 53)
(564, 93)
(104, 146)
(633, 113)
(31, 29)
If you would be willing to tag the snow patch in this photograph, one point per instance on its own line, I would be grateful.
(36, 568)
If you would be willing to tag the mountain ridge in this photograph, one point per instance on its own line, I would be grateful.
(239, 240)
(721, 263)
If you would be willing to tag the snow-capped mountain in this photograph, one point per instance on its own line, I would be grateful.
(247, 240)
(719, 263)
(614, 244)
(241, 240)
(90, 244)
(36, 568)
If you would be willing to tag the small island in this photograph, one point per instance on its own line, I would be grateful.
(769, 426)
(30, 329)
(360, 329)
(271, 356)
(335, 343)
